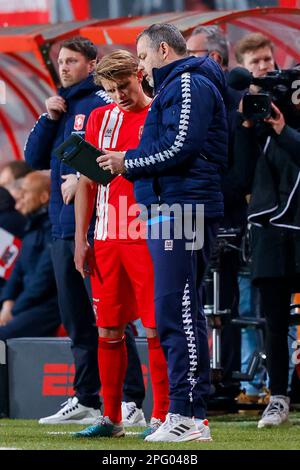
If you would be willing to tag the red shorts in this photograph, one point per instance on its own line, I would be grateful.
(123, 284)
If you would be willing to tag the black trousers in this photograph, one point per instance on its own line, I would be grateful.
(229, 299)
(40, 320)
(275, 296)
(79, 321)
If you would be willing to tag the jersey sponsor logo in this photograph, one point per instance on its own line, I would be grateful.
(108, 132)
(168, 245)
(79, 122)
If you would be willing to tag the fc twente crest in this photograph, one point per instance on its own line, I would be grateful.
(79, 122)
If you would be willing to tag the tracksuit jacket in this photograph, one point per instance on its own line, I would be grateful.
(47, 135)
(178, 160)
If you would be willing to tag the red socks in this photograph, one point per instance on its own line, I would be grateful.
(112, 359)
(159, 379)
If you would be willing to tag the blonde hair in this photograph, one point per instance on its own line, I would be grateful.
(117, 64)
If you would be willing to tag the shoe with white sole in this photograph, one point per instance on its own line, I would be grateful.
(132, 415)
(276, 413)
(72, 412)
(155, 423)
(176, 428)
(202, 425)
(102, 427)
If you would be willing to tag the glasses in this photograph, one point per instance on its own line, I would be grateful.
(197, 51)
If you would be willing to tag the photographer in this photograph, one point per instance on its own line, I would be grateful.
(287, 137)
(267, 166)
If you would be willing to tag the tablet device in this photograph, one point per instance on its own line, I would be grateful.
(81, 155)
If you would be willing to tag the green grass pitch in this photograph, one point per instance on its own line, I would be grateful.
(229, 432)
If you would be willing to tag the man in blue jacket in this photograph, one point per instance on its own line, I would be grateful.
(67, 113)
(179, 161)
(29, 298)
(10, 219)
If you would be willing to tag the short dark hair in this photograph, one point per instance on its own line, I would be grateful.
(164, 32)
(216, 41)
(80, 44)
(19, 168)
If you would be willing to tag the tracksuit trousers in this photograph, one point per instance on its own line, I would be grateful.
(179, 269)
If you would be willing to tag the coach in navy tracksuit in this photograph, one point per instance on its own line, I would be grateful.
(68, 113)
(180, 159)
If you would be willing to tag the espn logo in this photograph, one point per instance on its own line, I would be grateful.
(58, 379)
(2, 92)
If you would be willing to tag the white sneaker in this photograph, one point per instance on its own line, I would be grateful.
(277, 411)
(72, 412)
(176, 428)
(131, 415)
(202, 425)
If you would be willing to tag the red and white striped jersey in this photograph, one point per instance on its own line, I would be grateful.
(112, 128)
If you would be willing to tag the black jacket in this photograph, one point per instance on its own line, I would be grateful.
(10, 219)
(270, 170)
(275, 196)
(32, 280)
(235, 205)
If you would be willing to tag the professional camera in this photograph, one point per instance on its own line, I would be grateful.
(276, 87)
